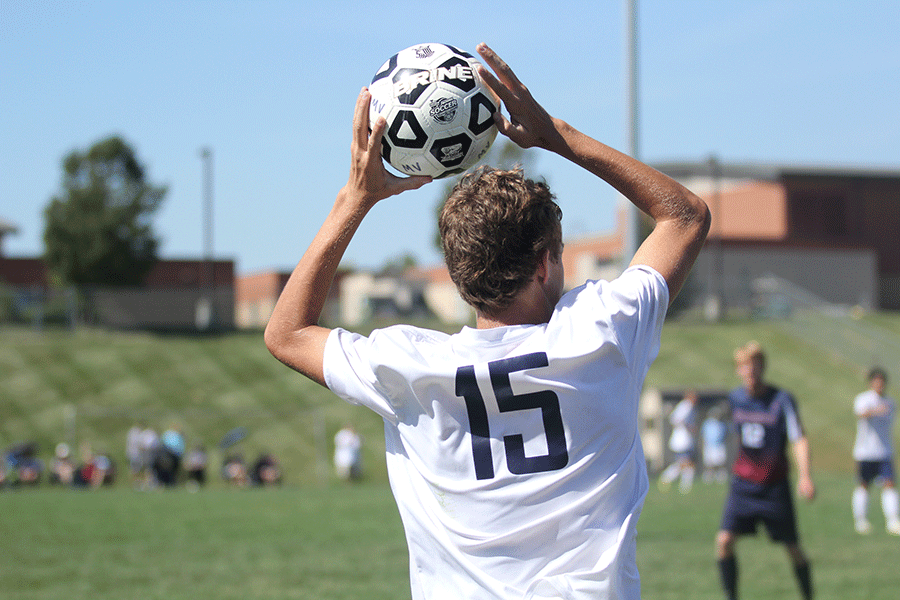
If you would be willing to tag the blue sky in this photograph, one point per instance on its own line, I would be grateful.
(269, 86)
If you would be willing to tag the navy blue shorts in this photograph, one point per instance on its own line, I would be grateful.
(751, 503)
(690, 455)
(869, 470)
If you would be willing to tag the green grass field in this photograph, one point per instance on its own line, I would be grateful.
(315, 538)
(345, 542)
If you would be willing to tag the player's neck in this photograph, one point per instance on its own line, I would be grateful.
(530, 307)
(757, 389)
(486, 322)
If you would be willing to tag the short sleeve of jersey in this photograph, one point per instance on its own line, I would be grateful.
(792, 419)
(637, 302)
(376, 371)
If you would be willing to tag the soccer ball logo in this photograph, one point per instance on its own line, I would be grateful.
(439, 113)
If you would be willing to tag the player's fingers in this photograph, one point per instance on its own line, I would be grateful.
(501, 90)
(378, 127)
(361, 120)
(503, 124)
(504, 73)
(412, 183)
(515, 132)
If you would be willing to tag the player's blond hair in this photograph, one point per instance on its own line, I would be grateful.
(752, 350)
(495, 227)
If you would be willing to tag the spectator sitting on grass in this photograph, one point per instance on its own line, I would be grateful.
(62, 469)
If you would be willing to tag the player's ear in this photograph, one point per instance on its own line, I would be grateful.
(543, 268)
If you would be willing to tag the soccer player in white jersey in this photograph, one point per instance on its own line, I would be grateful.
(874, 453)
(512, 447)
(682, 443)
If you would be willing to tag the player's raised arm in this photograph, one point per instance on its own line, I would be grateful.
(293, 335)
(682, 219)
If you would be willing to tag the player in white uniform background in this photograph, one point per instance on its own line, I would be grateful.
(682, 442)
(874, 453)
(512, 447)
(348, 453)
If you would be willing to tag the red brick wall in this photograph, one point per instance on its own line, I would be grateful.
(165, 274)
(23, 272)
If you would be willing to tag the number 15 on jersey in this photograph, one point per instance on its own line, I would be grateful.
(547, 401)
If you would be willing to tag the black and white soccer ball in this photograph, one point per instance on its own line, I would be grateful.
(439, 113)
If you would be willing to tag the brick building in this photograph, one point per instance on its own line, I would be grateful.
(176, 295)
(829, 231)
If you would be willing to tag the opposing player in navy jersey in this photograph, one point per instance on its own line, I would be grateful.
(512, 447)
(766, 422)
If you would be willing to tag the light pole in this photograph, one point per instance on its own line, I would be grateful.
(207, 156)
(715, 292)
(632, 214)
(204, 316)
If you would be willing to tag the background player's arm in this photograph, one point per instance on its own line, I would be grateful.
(805, 486)
(682, 219)
(293, 335)
(880, 408)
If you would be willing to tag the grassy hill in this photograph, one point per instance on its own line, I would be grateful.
(90, 386)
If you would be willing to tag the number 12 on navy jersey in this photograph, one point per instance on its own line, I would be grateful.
(547, 401)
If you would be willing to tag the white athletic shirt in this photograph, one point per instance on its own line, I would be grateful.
(543, 500)
(873, 434)
(684, 423)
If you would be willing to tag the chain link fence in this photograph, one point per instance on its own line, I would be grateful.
(843, 329)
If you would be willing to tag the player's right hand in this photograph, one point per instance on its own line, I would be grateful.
(369, 180)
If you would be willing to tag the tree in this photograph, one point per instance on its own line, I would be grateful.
(97, 229)
(396, 265)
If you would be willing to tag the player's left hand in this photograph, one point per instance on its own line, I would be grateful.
(806, 489)
(369, 180)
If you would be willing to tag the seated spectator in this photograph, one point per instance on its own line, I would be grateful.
(266, 471)
(234, 470)
(195, 467)
(148, 446)
(24, 467)
(62, 469)
(167, 466)
(95, 470)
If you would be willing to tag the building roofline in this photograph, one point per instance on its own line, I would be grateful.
(773, 171)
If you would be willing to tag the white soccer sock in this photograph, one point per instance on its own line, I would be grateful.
(670, 473)
(860, 502)
(687, 478)
(890, 504)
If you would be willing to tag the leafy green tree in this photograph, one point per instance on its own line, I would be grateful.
(396, 265)
(97, 230)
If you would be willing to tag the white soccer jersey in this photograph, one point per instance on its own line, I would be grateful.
(684, 422)
(513, 453)
(873, 434)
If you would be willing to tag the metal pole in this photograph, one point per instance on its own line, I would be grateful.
(207, 156)
(633, 217)
(715, 299)
(203, 316)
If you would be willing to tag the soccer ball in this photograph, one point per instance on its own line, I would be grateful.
(439, 113)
